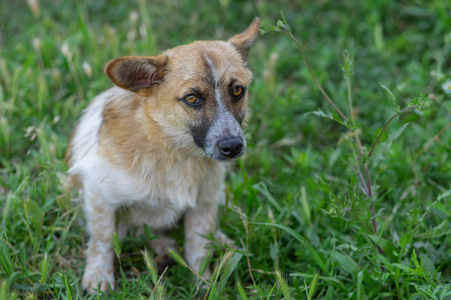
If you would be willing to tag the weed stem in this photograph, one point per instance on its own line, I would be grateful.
(348, 82)
(290, 35)
(386, 125)
(359, 173)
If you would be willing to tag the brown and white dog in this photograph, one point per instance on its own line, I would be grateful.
(154, 147)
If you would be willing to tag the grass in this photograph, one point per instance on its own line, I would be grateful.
(296, 205)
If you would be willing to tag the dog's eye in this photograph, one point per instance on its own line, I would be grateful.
(191, 99)
(238, 92)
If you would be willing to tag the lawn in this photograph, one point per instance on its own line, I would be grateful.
(327, 204)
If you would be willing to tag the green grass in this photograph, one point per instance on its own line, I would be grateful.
(296, 207)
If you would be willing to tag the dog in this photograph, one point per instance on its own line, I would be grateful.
(154, 148)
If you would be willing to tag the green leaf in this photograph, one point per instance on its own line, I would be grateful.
(284, 20)
(346, 262)
(421, 102)
(234, 263)
(385, 244)
(428, 264)
(395, 134)
(325, 187)
(268, 29)
(205, 262)
(395, 105)
(445, 194)
(320, 113)
(296, 287)
(215, 276)
(263, 189)
(392, 137)
(5, 260)
(273, 250)
(386, 263)
(414, 259)
(316, 257)
(329, 115)
(406, 239)
(330, 280)
(271, 291)
(402, 267)
(359, 285)
(66, 283)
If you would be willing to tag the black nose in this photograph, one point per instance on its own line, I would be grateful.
(230, 147)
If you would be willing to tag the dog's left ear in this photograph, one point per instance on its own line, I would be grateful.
(139, 74)
(244, 40)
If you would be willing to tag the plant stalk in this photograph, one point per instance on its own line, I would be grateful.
(348, 82)
(366, 183)
(290, 35)
(386, 125)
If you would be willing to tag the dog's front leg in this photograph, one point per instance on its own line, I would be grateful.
(100, 255)
(199, 222)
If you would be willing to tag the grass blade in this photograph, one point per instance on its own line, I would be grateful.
(359, 285)
(330, 280)
(316, 257)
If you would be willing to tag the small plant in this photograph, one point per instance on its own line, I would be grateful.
(340, 203)
(419, 103)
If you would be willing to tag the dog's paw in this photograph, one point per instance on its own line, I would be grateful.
(95, 279)
(161, 245)
(223, 239)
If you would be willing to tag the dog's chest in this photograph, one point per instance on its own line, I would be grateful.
(174, 184)
(163, 190)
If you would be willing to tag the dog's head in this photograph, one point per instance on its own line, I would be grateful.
(197, 93)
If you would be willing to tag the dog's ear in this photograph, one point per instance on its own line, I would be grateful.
(244, 40)
(138, 74)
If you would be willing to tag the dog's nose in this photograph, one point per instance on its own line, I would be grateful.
(230, 147)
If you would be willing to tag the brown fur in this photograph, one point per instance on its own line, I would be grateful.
(148, 147)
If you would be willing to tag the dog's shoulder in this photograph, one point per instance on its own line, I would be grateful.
(84, 138)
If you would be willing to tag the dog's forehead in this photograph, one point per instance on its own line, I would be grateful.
(216, 59)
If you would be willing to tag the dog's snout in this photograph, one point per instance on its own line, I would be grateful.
(230, 147)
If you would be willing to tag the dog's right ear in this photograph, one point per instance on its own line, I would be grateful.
(138, 74)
